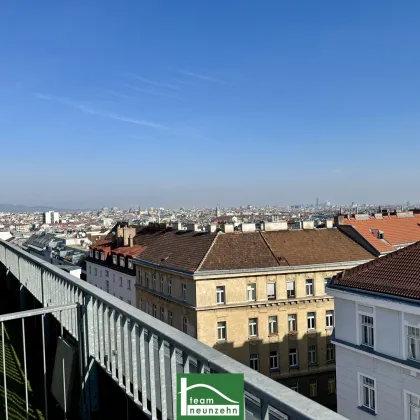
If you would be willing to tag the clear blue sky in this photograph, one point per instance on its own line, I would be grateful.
(172, 103)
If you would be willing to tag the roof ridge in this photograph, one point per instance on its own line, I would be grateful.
(208, 251)
(270, 249)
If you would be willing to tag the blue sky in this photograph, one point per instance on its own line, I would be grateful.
(194, 103)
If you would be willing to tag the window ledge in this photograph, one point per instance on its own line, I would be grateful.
(329, 328)
(367, 410)
(275, 334)
(330, 362)
(293, 332)
(294, 367)
(315, 364)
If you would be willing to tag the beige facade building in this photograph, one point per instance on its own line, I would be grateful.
(257, 296)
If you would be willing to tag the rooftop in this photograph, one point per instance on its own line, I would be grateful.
(395, 230)
(397, 274)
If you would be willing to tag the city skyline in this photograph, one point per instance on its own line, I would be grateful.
(190, 104)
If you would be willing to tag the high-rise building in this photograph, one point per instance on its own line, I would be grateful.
(51, 217)
(317, 202)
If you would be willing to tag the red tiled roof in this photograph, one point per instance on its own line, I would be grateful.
(397, 273)
(129, 251)
(282, 248)
(397, 231)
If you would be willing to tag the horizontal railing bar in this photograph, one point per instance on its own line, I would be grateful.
(35, 312)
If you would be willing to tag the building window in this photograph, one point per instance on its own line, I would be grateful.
(154, 281)
(309, 287)
(330, 352)
(313, 388)
(271, 291)
(95, 271)
(251, 288)
(274, 360)
(366, 330)
(221, 330)
(161, 284)
(162, 314)
(128, 284)
(293, 358)
(154, 311)
(147, 280)
(106, 273)
(97, 255)
(331, 385)
(311, 321)
(140, 274)
(102, 256)
(170, 322)
(113, 277)
(100, 273)
(295, 387)
(130, 264)
(253, 327)
(122, 261)
(254, 361)
(169, 287)
(107, 286)
(148, 307)
(272, 324)
(312, 354)
(220, 295)
(90, 270)
(129, 302)
(184, 291)
(329, 319)
(141, 304)
(292, 321)
(413, 343)
(115, 259)
(121, 280)
(413, 409)
(91, 253)
(290, 285)
(185, 325)
(367, 392)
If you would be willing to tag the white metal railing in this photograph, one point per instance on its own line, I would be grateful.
(143, 354)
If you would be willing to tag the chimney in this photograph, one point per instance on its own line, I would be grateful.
(329, 223)
(130, 241)
(248, 227)
(193, 227)
(308, 224)
(211, 228)
(127, 232)
(228, 228)
(176, 226)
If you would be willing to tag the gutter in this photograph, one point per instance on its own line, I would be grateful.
(277, 269)
(376, 295)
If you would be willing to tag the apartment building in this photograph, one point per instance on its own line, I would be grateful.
(110, 263)
(381, 233)
(377, 337)
(257, 296)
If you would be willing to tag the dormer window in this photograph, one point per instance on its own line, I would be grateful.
(130, 264)
(115, 259)
(102, 256)
(91, 253)
(122, 261)
(97, 255)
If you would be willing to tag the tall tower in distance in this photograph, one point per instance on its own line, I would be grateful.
(217, 211)
(317, 202)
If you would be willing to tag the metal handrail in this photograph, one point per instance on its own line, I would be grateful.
(119, 336)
